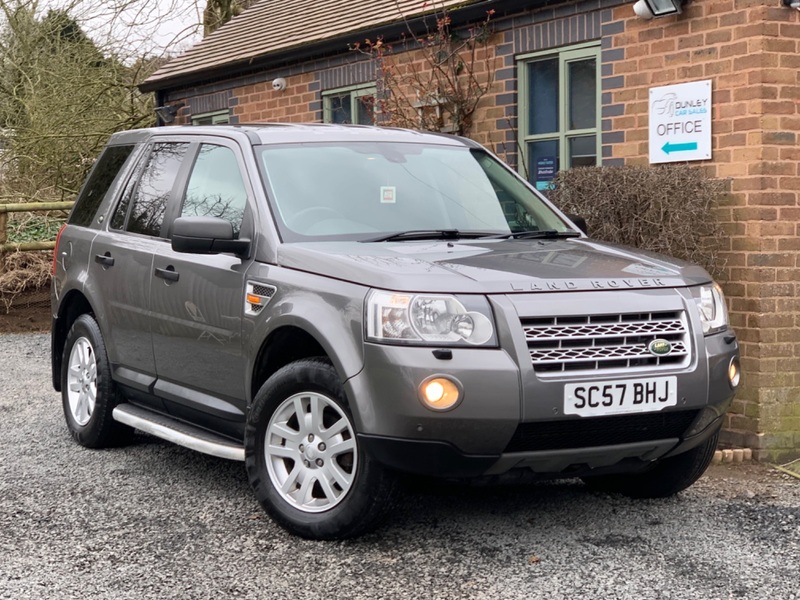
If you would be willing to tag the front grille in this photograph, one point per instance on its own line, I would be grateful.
(588, 432)
(620, 341)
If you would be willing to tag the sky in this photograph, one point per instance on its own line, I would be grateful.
(136, 27)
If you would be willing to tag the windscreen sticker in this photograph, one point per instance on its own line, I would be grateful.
(388, 194)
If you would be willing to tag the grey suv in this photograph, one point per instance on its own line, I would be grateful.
(334, 305)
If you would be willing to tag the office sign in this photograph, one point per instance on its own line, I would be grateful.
(680, 122)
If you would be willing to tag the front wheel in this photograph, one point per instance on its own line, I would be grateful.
(668, 477)
(303, 457)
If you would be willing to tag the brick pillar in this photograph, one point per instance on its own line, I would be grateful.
(750, 49)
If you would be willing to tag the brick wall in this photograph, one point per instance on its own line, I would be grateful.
(750, 49)
(298, 103)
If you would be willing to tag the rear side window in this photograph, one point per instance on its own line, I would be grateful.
(153, 191)
(97, 185)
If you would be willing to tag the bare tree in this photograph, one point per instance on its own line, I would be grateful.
(69, 76)
(434, 80)
(64, 92)
(219, 12)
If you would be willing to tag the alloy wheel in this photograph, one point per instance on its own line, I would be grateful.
(82, 381)
(310, 451)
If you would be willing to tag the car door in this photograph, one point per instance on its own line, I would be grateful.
(121, 265)
(197, 301)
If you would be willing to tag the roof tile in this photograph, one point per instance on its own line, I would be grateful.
(272, 26)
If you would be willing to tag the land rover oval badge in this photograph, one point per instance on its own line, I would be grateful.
(659, 347)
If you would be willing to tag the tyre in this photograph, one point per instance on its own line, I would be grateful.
(87, 391)
(304, 461)
(668, 477)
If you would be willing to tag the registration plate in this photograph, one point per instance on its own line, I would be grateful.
(620, 396)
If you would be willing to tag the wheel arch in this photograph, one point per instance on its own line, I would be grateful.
(73, 305)
(284, 345)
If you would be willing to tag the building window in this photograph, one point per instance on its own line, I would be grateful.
(559, 112)
(221, 117)
(355, 104)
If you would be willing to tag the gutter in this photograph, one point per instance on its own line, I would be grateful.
(292, 56)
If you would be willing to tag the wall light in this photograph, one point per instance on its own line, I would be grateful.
(647, 9)
(168, 113)
(792, 4)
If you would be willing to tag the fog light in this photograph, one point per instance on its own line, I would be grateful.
(440, 393)
(734, 373)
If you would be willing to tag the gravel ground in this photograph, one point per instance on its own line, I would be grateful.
(157, 521)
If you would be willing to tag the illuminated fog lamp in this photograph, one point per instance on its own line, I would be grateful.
(734, 373)
(440, 393)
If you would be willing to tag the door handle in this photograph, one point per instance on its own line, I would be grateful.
(104, 259)
(169, 273)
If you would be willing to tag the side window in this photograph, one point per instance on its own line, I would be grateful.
(118, 219)
(559, 116)
(121, 211)
(152, 192)
(216, 188)
(100, 179)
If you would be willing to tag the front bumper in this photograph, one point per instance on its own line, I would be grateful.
(512, 413)
(441, 459)
(490, 433)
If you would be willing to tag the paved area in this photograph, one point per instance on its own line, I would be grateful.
(157, 521)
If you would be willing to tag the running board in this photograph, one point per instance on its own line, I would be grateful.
(177, 432)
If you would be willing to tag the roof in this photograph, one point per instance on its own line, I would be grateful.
(273, 27)
(295, 133)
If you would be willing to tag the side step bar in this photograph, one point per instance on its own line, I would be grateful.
(177, 432)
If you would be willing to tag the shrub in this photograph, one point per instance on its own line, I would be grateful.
(665, 209)
(21, 272)
(34, 227)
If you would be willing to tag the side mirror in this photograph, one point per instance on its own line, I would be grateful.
(580, 222)
(207, 235)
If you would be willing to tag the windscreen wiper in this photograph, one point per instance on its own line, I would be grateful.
(542, 234)
(427, 234)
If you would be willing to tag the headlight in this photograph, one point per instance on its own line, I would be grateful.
(429, 319)
(711, 305)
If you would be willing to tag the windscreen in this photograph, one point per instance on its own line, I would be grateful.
(359, 190)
